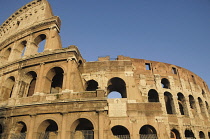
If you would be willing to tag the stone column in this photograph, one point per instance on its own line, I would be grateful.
(63, 126)
(31, 128)
(100, 124)
(40, 79)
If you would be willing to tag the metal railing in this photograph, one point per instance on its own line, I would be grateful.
(122, 136)
(82, 134)
(18, 136)
(148, 136)
(47, 135)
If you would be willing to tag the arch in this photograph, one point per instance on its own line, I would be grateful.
(40, 42)
(207, 107)
(165, 83)
(201, 135)
(182, 104)
(203, 93)
(7, 53)
(92, 85)
(147, 131)
(200, 102)
(120, 132)
(8, 87)
(189, 134)
(175, 134)
(48, 129)
(20, 49)
(118, 85)
(192, 103)
(153, 96)
(32, 83)
(20, 130)
(169, 103)
(54, 80)
(82, 128)
(1, 130)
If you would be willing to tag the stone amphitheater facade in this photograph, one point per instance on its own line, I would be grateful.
(56, 94)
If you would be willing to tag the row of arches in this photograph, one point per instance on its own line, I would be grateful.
(19, 50)
(26, 87)
(182, 103)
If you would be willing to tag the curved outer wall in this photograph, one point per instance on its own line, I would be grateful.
(56, 93)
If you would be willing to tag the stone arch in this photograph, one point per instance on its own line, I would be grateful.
(169, 103)
(182, 104)
(40, 39)
(20, 130)
(148, 131)
(165, 83)
(207, 107)
(200, 102)
(192, 103)
(20, 49)
(175, 134)
(54, 80)
(120, 131)
(153, 96)
(117, 84)
(1, 130)
(189, 134)
(48, 129)
(7, 53)
(201, 135)
(91, 85)
(8, 87)
(32, 84)
(82, 128)
(203, 93)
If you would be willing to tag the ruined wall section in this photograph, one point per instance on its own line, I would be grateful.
(23, 32)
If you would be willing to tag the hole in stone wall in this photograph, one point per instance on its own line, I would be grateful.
(165, 83)
(147, 66)
(92, 85)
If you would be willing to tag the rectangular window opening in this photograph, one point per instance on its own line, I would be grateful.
(147, 65)
(174, 71)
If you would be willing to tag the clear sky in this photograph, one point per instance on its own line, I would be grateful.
(171, 31)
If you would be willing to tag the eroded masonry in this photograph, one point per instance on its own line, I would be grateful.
(56, 94)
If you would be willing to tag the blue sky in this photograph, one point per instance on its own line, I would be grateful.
(170, 31)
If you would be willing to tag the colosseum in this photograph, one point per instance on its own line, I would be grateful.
(56, 94)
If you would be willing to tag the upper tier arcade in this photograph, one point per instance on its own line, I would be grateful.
(22, 33)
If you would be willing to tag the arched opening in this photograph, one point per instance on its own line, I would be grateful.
(175, 134)
(48, 129)
(169, 103)
(92, 85)
(182, 104)
(207, 106)
(153, 96)
(201, 135)
(192, 104)
(54, 80)
(209, 134)
(189, 134)
(148, 132)
(203, 93)
(165, 83)
(120, 132)
(32, 84)
(20, 131)
(7, 53)
(8, 87)
(117, 85)
(82, 128)
(201, 106)
(114, 94)
(21, 48)
(40, 41)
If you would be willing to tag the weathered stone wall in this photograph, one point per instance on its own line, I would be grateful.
(56, 93)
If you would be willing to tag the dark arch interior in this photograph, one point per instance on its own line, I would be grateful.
(1, 129)
(118, 85)
(153, 96)
(32, 83)
(92, 85)
(175, 134)
(147, 129)
(120, 130)
(165, 83)
(52, 126)
(201, 135)
(168, 102)
(57, 80)
(189, 133)
(84, 124)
